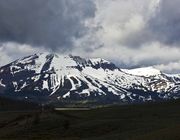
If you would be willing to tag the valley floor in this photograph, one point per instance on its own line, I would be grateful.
(157, 121)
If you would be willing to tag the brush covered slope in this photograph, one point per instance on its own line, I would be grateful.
(54, 78)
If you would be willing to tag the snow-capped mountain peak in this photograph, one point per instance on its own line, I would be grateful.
(66, 77)
(145, 71)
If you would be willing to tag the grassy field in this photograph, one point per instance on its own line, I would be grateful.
(160, 121)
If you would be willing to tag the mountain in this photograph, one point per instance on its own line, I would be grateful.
(55, 78)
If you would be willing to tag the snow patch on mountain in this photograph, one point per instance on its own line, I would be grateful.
(146, 71)
(1, 84)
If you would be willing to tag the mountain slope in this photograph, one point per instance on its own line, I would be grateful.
(57, 77)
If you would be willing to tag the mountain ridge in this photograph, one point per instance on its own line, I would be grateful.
(65, 77)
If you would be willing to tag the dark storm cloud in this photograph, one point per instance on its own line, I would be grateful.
(165, 25)
(49, 23)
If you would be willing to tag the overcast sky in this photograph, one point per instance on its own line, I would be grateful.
(130, 33)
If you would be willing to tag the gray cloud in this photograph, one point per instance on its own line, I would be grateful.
(165, 25)
(49, 23)
(130, 33)
(134, 33)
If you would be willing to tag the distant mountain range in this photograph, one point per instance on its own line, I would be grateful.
(54, 78)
